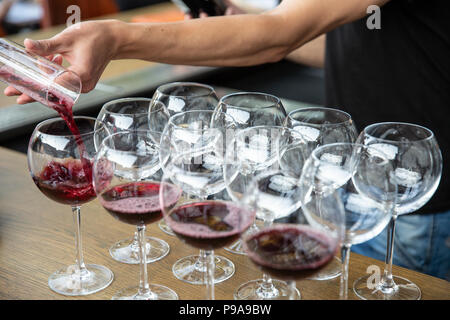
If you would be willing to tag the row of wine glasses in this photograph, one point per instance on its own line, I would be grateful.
(213, 168)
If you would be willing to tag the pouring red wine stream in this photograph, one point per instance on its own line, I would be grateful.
(66, 182)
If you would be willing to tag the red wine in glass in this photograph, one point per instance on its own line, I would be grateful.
(66, 182)
(290, 252)
(55, 179)
(209, 225)
(134, 203)
(69, 182)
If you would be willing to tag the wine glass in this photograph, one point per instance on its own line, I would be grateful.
(133, 114)
(290, 249)
(60, 164)
(251, 152)
(205, 222)
(251, 109)
(356, 180)
(193, 132)
(417, 163)
(184, 96)
(319, 126)
(127, 181)
(176, 97)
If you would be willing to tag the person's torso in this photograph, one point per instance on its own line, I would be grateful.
(400, 72)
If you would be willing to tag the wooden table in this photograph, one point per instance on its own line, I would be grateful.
(36, 239)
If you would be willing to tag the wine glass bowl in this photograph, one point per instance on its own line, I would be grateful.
(130, 114)
(253, 150)
(60, 164)
(250, 109)
(179, 97)
(360, 177)
(125, 114)
(416, 157)
(320, 125)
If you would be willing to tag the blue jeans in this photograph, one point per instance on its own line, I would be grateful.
(421, 243)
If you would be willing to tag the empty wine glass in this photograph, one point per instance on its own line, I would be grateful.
(356, 180)
(417, 161)
(133, 114)
(176, 97)
(251, 109)
(205, 222)
(291, 249)
(184, 96)
(251, 152)
(127, 181)
(319, 126)
(193, 133)
(60, 164)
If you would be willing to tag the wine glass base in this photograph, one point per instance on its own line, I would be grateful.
(330, 271)
(70, 282)
(157, 292)
(165, 228)
(127, 252)
(187, 269)
(252, 291)
(404, 290)
(236, 248)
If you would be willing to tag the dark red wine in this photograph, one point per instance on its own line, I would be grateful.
(135, 203)
(66, 182)
(210, 224)
(63, 189)
(287, 251)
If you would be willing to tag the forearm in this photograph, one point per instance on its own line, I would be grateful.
(4, 8)
(217, 41)
(238, 40)
(311, 54)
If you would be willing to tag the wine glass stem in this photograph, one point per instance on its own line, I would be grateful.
(292, 289)
(387, 281)
(267, 286)
(200, 264)
(135, 242)
(143, 282)
(76, 211)
(209, 274)
(345, 257)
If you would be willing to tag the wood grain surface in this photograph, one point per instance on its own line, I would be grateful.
(37, 238)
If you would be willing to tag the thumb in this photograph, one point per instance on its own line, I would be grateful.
(42, 47)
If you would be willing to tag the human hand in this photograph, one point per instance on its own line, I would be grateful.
(88, 47)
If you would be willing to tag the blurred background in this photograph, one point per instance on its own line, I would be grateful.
(40, 19)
